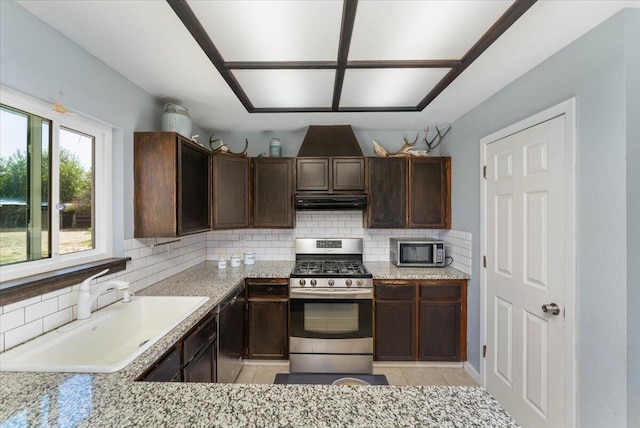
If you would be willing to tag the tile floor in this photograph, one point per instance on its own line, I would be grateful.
(396, 375)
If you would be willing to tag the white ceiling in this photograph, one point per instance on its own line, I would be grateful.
(145, 41)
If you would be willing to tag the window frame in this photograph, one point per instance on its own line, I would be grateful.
(103, 189)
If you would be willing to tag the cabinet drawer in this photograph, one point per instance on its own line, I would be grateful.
(200, 337)
(167, 369)
(448, 291)
(267, 290)
(395, 291)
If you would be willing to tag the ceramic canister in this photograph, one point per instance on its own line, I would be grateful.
(235, 260)
(249, 258)
(275, 148)
(222, 264)
(176, 119)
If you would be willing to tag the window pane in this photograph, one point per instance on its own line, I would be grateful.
(76, 192)
(24, 186)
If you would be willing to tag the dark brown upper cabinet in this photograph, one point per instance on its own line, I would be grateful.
(231, 189)
(387, 193)
(171, 185)
(273, 180)
(430, 193)
(331, 174)
(409, 193)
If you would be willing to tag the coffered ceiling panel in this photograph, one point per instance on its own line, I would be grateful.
(394, 87)
(417, 30)
(272, 30)
(427, 43)
(178, 50)
(287, 88)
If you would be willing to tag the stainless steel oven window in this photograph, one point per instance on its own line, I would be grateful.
(347, 324)
(332, 318)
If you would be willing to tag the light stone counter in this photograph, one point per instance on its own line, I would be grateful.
(387, 270)
(107, 400)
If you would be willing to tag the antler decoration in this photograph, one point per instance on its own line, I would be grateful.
(222, 148)
(407, 148)
(437, 139)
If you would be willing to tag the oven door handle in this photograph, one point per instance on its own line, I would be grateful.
(315, 294)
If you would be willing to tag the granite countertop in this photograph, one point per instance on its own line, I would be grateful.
(105, 400)
(387, 270)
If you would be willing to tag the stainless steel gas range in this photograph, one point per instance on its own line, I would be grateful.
(331, 305)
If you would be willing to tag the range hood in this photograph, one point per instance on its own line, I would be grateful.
(330, 142)
(335, 201)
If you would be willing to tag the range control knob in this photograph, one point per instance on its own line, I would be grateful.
(313, 282)
(302, 282)
(331, 283)
(348, 282)
(359, 283)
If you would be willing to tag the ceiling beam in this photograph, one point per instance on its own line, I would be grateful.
(346, 31)
(491, 35)
(189, 19)
(427, 63)
(281, 65)
(401, 109)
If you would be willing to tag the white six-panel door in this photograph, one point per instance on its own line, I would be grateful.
(525, 243)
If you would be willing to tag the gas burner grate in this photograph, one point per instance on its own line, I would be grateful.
(344, 268)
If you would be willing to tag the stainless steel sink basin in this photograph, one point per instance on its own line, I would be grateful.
(108, 341)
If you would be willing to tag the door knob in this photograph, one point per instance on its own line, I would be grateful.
(552, 308)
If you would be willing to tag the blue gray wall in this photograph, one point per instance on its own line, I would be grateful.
(632, 81)
(39, 61)
(592, 69)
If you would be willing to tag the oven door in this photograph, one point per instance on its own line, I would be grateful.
(331, 315)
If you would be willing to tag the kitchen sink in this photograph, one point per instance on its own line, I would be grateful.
(112, 338)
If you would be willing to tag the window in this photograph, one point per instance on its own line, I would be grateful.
(55, 188)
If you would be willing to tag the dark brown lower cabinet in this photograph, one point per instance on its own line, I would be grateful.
(420, 320)
(202, 368)
(192, 359)
(166, 369)
(267, 319)
(439, 338)
(395, 330)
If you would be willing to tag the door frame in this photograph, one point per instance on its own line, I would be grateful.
(568, 109)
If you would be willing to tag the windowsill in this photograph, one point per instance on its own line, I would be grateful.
(23, 288)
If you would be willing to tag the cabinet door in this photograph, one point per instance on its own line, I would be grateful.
(273, 192)
(387, 193)
(267, 329)
(395, 330)
(231, 190)
(430, 193)
(439, 331)
(312, 174)
(202, 366)
(348, 174)
(167, 369)
(193, 191)
(171, 185)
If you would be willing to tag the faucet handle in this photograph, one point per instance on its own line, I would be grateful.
(85, 284)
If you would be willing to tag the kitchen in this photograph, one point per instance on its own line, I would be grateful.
(605, 96)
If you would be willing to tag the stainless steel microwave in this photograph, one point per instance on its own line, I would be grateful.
(417, 252)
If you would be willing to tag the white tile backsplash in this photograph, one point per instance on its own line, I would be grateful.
(154, 260)
(150, 263)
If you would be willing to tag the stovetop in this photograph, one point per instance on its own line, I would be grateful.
(330, 268)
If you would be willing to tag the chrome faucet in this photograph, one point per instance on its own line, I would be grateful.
(86, 296)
